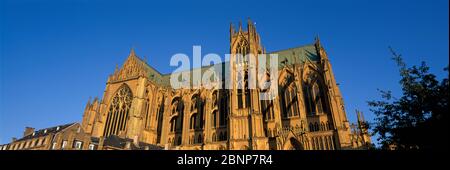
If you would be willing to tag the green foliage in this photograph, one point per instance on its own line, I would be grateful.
(419, 118)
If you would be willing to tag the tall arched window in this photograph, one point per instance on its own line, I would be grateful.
(176, 120)
(243, 92)
(287, 103)
(241, 50)
(177, 112)
(267, 109)
(240, 92)
(223, 109)
(317, 98)
(290, 101)
(118, 111)
(247, 91)
(294, 107)
(147, 114)
(310, 109)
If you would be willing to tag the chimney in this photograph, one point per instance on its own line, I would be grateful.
(14, 139)
(28, 131)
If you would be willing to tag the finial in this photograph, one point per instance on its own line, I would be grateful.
(240, 26)
(362, 116)
(358, 115)
(317, 39)
(132, 53)
(231, 28)
(250, 26)
(89, 102)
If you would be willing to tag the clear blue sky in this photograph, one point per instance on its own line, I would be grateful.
(56, 54)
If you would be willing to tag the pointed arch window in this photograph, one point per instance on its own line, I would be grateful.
(118, 111)
(310, 109)
(147, 113)
(267, 109)
(243, 92)
(290, 102)
(223, 110)
(315, 98)
(240, 88)
(242, 49)
(176, 121)
(197, 118)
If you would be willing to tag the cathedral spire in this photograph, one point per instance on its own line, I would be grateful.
(317, 41)
(240, 26)
(357, 115)
(250, 27)
(132, 53)
(231, 31)
(360, 116)
(88, 104)
(231, 28)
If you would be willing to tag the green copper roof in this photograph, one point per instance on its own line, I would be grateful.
(296, 55)
(285, 57)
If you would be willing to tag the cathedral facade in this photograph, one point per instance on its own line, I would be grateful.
(307, 114)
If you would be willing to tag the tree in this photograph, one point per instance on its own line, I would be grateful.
(419, 118)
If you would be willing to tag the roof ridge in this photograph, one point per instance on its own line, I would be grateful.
(301, 46)
(67, 124)
(208, 66)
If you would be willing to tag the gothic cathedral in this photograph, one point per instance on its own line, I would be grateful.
(307, 114)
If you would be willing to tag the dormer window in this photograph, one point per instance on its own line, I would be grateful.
(78, 145)
(91, 147)
(64, 144)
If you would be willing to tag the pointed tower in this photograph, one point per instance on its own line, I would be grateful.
(89, 115)
(363, 129)
(246, 120)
